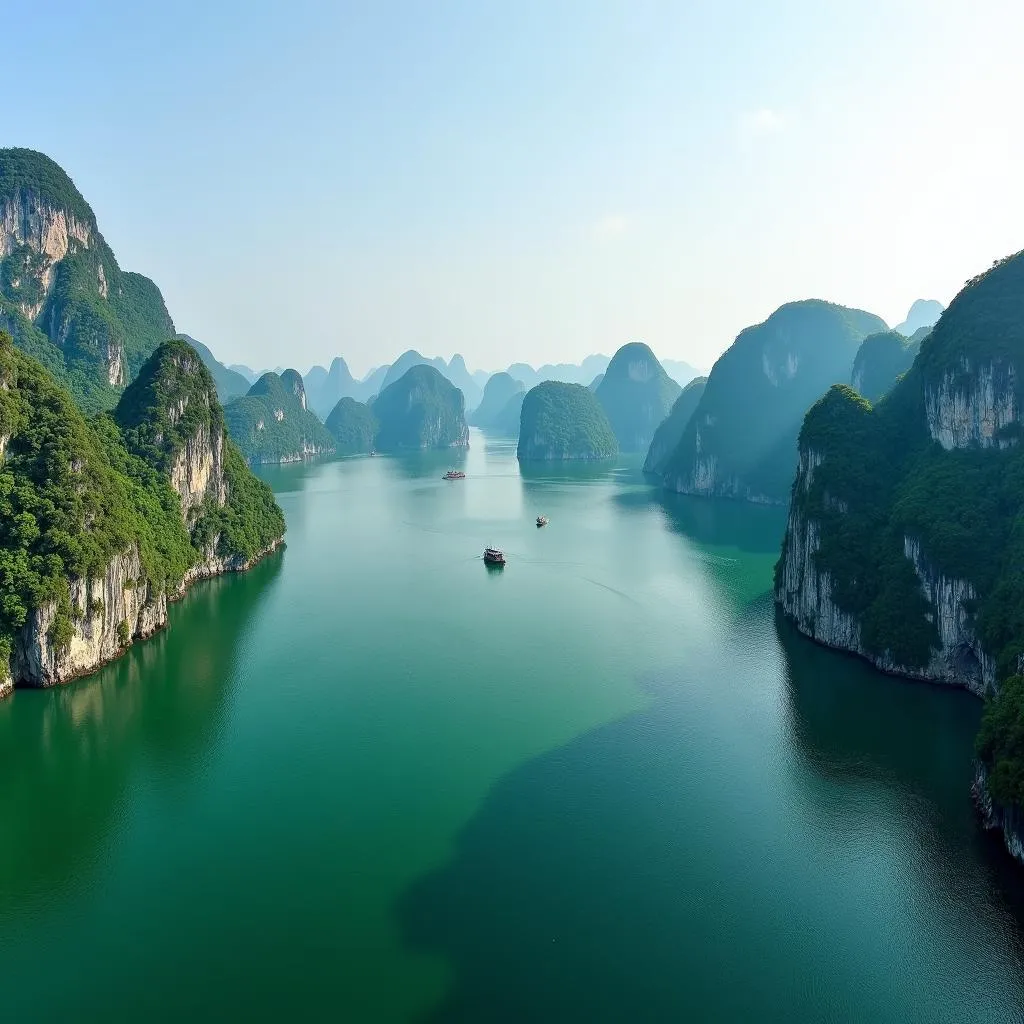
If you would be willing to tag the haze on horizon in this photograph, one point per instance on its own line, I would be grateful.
(531, 184)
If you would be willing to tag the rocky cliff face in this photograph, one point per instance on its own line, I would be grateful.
(108, 613)
(62, 294)
(804, 590)
(39, 234)
(169, 418)
(1009, 821)
(972, 404)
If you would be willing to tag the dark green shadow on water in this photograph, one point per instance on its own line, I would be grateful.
(165, 699)
(604, 881)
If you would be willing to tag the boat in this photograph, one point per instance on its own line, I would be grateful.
(454, 474)
(492, 556)
(542, 520)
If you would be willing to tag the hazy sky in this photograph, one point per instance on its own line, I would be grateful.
(531, 181)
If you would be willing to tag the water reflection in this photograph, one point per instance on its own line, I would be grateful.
(858, 729)
(713, 522)
(164, 701)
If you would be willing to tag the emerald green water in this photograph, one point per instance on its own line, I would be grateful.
(373, 780)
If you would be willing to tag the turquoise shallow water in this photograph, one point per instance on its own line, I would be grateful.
(372, 780)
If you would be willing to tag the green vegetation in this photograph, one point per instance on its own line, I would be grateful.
(421, 409)
(75, 493)
(230, 383)
(500, 389)
(67, 503)
(757, 393)
(353, 426)
(667, 436)
(270, 424)
(173, 403)
(882, 478)
(564, 421)
(636, 394)
(881, 360)
(95, 325)
(25, 170)
(1000, 743)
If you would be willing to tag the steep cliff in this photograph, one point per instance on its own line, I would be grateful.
(63, 296)
(421, 409)
(906, 525)
(500, 389)
(271, 424)
(564, 421)
(741, 440)
(636, 394)
(353, 427)
(102, 522)
(670, 431)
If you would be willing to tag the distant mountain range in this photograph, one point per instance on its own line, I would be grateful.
(325, 387)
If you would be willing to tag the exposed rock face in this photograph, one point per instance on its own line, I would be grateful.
(44, 233)
(105, 614)
(1007, 820)
(805, 593)
(63, 296)
(970, 406)
(108, 613)
(198, 470)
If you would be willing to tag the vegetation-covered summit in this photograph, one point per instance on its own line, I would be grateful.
(171, 417)
(636, 394)
(271, 423)
(353, 427)
(63, 296)
(76, 493)
(564, 421)
(422, 409)
(741, 441)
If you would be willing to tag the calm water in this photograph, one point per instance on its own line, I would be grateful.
(372, 780)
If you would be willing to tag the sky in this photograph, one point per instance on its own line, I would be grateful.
(527, 182)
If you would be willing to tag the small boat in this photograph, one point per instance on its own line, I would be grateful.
(492, 556)
(454, 474)
(542, 520)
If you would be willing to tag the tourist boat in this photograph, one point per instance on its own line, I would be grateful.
(542, 520)
(454, 474)
(492, 556)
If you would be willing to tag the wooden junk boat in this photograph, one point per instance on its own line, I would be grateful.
(492, 556)
(542, 520)
(454, 474)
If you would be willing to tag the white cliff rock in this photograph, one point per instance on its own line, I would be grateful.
(44, 228)
(805, 594)
(969, 408)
